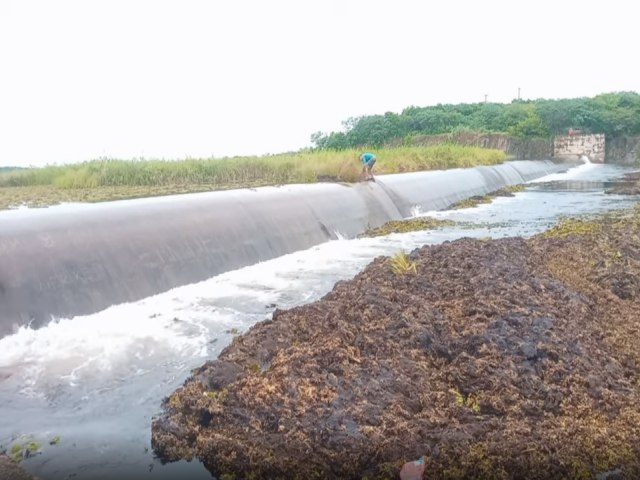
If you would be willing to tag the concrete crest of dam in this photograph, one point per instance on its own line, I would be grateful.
(78, 259)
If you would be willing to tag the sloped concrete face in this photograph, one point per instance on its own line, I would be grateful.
(78, 259)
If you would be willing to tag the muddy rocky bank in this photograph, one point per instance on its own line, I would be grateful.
(505, 358)
(10, 470)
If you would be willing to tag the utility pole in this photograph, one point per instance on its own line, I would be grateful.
(518, 93)
(485, 98)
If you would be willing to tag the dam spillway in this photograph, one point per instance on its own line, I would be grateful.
(78, 259)
(96, 380)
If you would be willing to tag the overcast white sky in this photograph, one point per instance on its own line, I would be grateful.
(81, 79)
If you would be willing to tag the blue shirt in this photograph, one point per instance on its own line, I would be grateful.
(365, 157)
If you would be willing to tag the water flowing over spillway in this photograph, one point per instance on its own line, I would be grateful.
(78, 259)
(96, 380)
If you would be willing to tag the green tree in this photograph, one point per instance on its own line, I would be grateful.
(614, 114)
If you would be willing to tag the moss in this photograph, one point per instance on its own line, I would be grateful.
(471, 202)
(218, 395)
(174, 400)
(573, 226)
(408, 225)
(513, 188)
(16, 452)
(470, 401)
(474, 201)
(255, 367)
(32, 447)
(24, 450)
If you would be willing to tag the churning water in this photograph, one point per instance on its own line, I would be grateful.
(96, 381)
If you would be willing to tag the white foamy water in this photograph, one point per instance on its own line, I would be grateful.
(130, 339)
(96, 380)
(581, 171)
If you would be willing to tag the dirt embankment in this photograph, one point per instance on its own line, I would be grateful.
(505, 359)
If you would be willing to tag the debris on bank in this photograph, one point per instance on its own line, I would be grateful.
(506, 358)
(407, 225)
(10, 470)
(508, 191)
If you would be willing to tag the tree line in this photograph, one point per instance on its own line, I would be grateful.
(614, 114)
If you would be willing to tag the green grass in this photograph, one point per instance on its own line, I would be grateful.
(401, 264)
(108, 179)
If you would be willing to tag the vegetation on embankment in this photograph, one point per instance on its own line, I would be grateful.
(614, 114)
(108, 179)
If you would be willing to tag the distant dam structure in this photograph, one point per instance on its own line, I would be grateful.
(575, 145)
(77, 259)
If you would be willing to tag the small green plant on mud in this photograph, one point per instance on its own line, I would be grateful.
(54, 440)
(401, 264)
(469, 401)
(218, 395)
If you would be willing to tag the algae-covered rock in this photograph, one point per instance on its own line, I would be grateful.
(407, 225)
(507, 191)
(504, 358)
(629, 185)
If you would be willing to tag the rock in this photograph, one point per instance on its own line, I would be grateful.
(217, 375)
(529, 351)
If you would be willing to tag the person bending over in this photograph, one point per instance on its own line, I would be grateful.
(368, 160)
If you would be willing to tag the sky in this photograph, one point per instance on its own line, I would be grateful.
(82, 79)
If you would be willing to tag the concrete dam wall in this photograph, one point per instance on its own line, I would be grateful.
(573, 147)
(79, 259)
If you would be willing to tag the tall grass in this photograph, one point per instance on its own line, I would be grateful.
(299, 167)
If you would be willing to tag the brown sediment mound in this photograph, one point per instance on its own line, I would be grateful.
(10, 470)
(506, 359)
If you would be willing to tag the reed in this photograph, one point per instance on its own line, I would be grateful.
(111, 179)
(299, 167)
